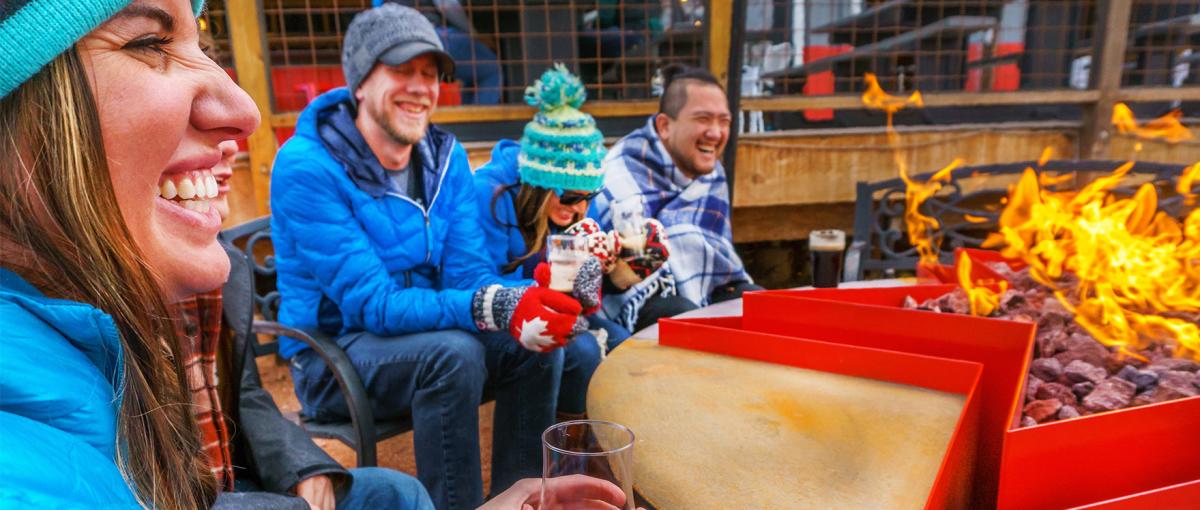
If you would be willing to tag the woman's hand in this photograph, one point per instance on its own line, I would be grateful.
(317, 491)
(574, 491)
(604, 245)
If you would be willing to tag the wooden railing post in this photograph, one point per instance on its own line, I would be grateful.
(720, 28)
(1108, 56)
(246, 38)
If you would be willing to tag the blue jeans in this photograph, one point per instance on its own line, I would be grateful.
(580, 359)
(371, 488)
(437, 378)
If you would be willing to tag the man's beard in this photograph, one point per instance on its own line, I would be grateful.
(397, 133)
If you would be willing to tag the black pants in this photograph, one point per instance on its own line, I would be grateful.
(659, 307)
(732, 290)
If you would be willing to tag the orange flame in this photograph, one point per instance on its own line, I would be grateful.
(1167, 127)
(876, 99)
(983, 301)
(1190, 175)
(1047, 155)
(920, 227)
(1138, 269)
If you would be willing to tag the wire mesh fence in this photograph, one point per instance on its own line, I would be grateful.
(791, 47)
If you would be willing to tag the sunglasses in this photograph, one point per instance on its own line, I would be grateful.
(569, 199)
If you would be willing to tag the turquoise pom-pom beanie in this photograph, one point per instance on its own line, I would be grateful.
(33, 32)
(561, 148)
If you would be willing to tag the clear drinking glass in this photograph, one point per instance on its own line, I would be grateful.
(565, 253)
(630, 225)
(595, 448)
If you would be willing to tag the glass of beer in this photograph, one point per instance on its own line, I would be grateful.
(592, 448)
(565, 253)
(825, 249)
(630, 225)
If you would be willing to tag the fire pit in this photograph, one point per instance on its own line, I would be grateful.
(1072, 373)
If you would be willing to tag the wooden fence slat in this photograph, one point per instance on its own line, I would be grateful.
(246, 37)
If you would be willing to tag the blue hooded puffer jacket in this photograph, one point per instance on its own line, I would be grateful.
(352, 255)
(504, 241)
(59, 364)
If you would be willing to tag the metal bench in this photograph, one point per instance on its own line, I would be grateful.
(880, 243)
(251, 289)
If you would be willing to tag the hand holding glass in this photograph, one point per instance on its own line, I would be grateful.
(594, 448)
(631, 226)
(565, 253)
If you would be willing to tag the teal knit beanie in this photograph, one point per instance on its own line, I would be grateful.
(561, 149)
(33, 32)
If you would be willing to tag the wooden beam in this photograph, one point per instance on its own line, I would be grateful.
(1108, 55)
(846, 102)
(1149, 94)
(507, 113)
(720, 28)
(246, 37)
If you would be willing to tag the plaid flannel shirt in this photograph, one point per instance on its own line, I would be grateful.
(198, 325)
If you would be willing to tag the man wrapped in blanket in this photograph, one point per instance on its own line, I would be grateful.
(672, 165)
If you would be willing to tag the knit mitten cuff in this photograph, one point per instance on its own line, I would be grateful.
(492, 306)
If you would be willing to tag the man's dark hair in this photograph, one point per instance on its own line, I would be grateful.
(676, 78)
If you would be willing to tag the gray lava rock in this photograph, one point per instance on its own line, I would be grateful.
(1180, 383)
(1142, 379)
(1080, 371)
(1082, 389)
(1112, 393)
(1046, 369)
(1178, 364)
(1056, 391)
(1031, 387)
(1068, 412)
(1084, 348)
(1027, 422)
(1042, 410)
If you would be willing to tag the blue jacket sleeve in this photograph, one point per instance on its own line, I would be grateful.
(468, 262)
(330, 243)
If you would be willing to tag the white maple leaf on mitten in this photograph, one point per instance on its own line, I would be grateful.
(534, 336)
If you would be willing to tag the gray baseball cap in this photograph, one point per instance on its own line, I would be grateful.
(392, 34)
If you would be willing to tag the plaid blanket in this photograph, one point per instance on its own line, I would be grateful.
(694, 211)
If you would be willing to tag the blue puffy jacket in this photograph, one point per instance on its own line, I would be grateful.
(499, 218)
(352, 255)
(59, 363)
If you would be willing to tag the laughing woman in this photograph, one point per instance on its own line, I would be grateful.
(541, 187)
(102, 103)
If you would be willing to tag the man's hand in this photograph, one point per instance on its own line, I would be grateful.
(574, 491)
(317, 491)
(655, 252)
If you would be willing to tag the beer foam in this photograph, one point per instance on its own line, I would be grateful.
(827, 240)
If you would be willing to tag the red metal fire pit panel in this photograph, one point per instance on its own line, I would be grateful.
(1184, 495)
(952, 486)
(1055, 465)
(1003, 347)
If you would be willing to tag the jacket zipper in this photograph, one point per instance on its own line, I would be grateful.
(425, 211)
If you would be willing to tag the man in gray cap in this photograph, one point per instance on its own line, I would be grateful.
(378, 244)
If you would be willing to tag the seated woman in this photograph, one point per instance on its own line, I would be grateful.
(106, 108)
(541, 187)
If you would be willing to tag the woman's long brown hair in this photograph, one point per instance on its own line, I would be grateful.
(62, 231)
(532, 221)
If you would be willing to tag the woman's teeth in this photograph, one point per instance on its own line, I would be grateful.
(191, 191)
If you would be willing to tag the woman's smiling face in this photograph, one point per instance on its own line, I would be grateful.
(164, 108)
